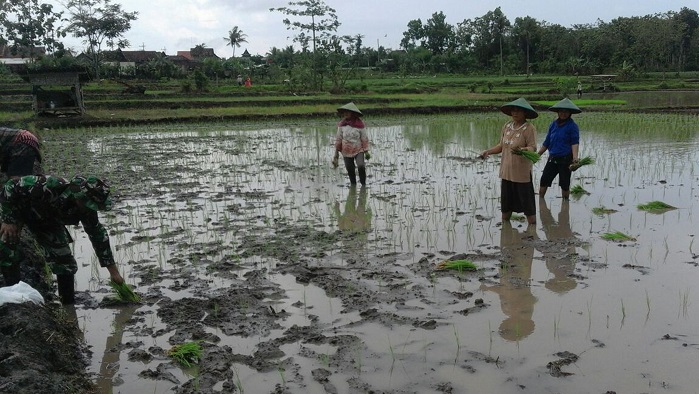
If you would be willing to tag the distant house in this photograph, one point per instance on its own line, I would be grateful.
(191, 59)
(184, 62)
(18, 58)
(127, 61)
(198, 53)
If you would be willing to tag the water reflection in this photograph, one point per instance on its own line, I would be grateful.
(110, 358)
(356, 217)
(516, 298)
(559, 253)
(355, 223)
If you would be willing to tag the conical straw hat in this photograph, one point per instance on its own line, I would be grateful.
(566, 104)
(350, 107)
(521, 103)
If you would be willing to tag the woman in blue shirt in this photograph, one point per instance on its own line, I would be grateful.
(562, 142)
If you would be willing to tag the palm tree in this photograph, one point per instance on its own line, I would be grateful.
(235, 38)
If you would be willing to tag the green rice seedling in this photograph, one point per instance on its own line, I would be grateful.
(124, 293)
(187, 354)
(529, 155)
(600, 211)
(459, 265)
(617, 236)
(325, 360)
(585, 161)
(238, 383)
(281, 373)
(655, 206)
(684, 302)
(578, 190)
(517, 217)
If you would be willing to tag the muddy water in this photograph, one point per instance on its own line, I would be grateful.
(246, 239)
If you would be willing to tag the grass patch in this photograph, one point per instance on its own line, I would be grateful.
(603, 211)
(124, 293)
(655, 206)
(459, 265)
(187, 354)
(587, 102)
(617, 236)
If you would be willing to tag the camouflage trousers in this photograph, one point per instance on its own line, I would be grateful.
(54, 241)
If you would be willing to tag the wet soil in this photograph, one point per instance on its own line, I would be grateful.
(43, 350)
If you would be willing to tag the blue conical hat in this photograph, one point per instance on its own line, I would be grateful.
(521, 103)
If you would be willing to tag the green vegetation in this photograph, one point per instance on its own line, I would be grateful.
(459, 265)
(124, 293)
(617, 236)
(529, 155)
(187, 354)
(578, 190)
(602, 211)
(585, 161)
(655, 206)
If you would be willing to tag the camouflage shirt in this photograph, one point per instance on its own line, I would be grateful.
(44, 201)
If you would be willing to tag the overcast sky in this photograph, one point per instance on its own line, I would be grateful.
(173, 25)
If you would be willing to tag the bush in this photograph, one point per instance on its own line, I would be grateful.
(201, 81)
(186, 86)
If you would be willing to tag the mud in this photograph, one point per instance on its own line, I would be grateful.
(214, 231)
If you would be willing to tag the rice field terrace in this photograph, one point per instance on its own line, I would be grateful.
(244, 240)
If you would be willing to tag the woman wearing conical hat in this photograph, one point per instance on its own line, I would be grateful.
(516, 187)
(352, 142)
(563, 143)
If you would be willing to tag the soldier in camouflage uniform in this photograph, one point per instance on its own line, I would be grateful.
(19, 152)
(45, 205)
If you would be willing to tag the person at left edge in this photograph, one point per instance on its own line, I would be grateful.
(19, 150)
(45, 205)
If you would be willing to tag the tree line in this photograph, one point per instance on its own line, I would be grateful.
(320, 58)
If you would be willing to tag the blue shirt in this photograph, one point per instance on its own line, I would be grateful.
(561, 138)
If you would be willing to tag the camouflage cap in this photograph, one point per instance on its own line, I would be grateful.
(96, 190)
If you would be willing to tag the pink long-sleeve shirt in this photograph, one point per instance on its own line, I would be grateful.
(351, 138)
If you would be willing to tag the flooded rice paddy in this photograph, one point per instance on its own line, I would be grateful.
(245, 239)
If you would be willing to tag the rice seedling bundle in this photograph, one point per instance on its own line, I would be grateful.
(529, 155)
(602, 211)
(124, 292)
(617, 236)
(585, 161)
(459, 265)
(577, 190)
(655, 206)
(515, 217)
(187, 354)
